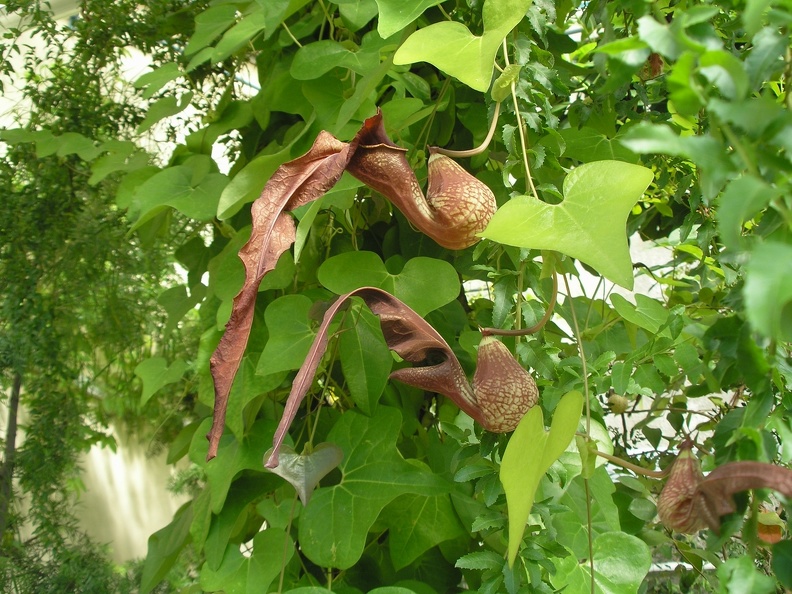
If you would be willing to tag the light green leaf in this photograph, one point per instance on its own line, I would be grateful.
(741, 200)
(480, 560)
(74, 143)
(593, 502)
(417, 523)
(768, 290)
(236, 510)
(304, 471)
(155, 374)
(739, 574)
(239, 574)
(660, 138)
(188, 188)
(590, 224)
(726, 72)
(352, 270)
(209, 25)
(659, 37)
(648, 313)
(782, 559)
(164, 547)
(520, 474)
(315, 59)
(452, 48)
(766, 56)
(247, 386)
(156, 79)
(248, 183)
(357, 13)
(340, 195)
(587, 144)
(177, 303)
(290, 334)
(239, 35)
(164, 108)
(333, 528)
(621, 562)
(501, 88)
(395, 15)
(121, 155)
(20, 135)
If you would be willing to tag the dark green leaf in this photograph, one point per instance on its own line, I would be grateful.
(334, 526)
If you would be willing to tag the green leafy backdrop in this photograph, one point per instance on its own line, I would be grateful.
(665, 122)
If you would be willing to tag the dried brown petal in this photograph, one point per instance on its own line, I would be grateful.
(716, 491)
(504, 390)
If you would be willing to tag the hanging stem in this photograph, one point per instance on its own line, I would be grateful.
(521, 128)
(286, 544)
(579, 340)
(658, 474)
(479, 149)
(536, 327)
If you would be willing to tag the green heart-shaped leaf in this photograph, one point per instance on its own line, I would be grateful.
(395, 15)
(588, 225)
(351, 270)
(621, 562)
(456, 51)
(156, 374)
(304, 471)
(521, 473)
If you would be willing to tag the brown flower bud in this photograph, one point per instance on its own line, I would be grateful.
(678, 505)
(462, 204)
(504, 390)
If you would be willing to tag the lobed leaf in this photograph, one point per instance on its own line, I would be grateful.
(590, 224)
(456, 51)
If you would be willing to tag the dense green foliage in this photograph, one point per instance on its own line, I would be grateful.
(697, 93)
(78, 304)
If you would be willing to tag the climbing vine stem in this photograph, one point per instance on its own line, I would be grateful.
(520, 128)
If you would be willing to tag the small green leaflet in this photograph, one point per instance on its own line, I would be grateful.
(456, 51)
(530, 452)
(193, 188)
(365, 358)
(164, 547)
(588, 225)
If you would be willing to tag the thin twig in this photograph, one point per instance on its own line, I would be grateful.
(290, 34)
(520, 128)
(479, 149)
(579, 340)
